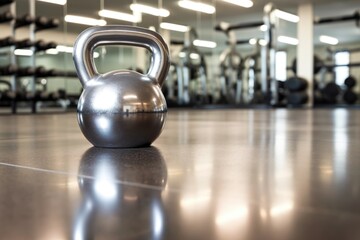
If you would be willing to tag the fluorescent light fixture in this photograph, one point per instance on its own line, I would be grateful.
(288, 40)
(182, 54)
(263, 28)
(241, 3)
(160, 12)
(203, 43)
(197, 6)
(119, 16)
(52, 51)
(84, 20)
(262, 42)
(59, 2)
(66, 49)
(328, 40)
(174, 27)
(152, 28)
(96, 54)
(286, 16)
(23, 52)
(253, 41)
(130, 96)
(194, 56)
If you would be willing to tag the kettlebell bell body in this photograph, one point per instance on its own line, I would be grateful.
(122, 108)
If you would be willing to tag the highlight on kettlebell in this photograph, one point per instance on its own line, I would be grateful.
(121, 108)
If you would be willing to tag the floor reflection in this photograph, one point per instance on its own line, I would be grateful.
(112, 202)
(247, 174)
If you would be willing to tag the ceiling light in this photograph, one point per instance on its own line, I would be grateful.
(119, 16)
(160, 12)
(197, 6)
(59, 2)
(253, 41)
(194, 56)
(52, 51)
(62, 48)
(66, 49)
(262, 42)
(288, 40)
(241, 3)
(174, 27)
(328, 40)
(182, 54)
(96, 54)
(286, 16)
(84, 20)
(263, 28)
(23, 52)
(203, 43)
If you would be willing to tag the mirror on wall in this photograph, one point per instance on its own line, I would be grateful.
(337, 52)
(222, 53)
(190, 36)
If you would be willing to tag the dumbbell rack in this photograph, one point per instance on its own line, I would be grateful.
(33, 28)
(13, 59)
(12, 22)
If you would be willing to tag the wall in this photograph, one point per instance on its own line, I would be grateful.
(122, 58)
(111, 58)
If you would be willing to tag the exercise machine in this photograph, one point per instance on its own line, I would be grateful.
(191, 67)
(230, 68)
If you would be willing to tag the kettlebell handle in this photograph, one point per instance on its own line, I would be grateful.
(93, 37)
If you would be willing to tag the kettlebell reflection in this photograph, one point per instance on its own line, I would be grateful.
(121, 194)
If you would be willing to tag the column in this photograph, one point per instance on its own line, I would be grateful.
(305, 49)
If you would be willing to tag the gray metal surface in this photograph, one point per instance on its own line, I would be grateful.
(114, 107)
(224, 174)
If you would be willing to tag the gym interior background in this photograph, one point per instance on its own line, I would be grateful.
(260, 140)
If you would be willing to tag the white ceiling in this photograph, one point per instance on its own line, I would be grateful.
(345, 32)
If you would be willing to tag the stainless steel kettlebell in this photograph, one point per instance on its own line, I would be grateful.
(121, 108)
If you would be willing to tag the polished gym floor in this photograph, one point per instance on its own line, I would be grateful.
(216, 174)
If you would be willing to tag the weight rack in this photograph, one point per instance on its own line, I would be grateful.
(15, 73)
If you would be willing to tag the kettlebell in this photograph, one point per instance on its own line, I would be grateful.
(121, 108)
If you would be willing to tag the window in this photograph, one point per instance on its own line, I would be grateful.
(342, 72)
(281, 65)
